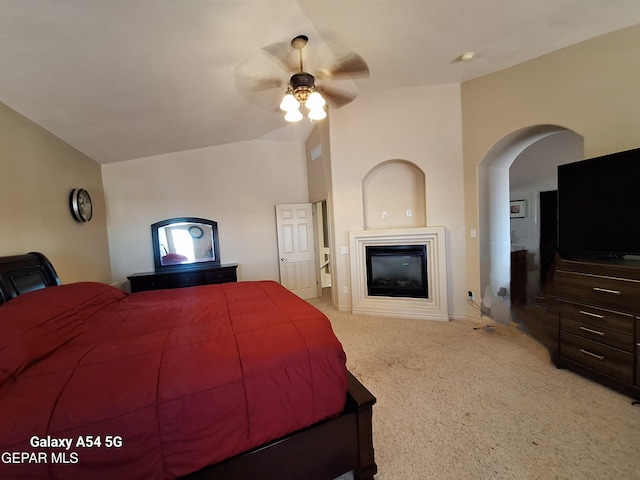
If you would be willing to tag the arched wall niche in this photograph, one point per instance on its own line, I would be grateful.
(393, 196)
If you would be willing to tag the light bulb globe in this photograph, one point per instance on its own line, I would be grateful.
(315, 101)
(289, 102)
(293, 116)
(317, 114)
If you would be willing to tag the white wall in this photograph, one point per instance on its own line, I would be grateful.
(237, 185)
(421, 125)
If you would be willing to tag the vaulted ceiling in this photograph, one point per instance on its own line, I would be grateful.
(124, 79)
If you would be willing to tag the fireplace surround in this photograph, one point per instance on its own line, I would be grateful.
(433, 306)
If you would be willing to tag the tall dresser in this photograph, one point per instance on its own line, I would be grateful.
(598, 305)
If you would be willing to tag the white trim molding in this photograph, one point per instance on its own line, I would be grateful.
(435, 307)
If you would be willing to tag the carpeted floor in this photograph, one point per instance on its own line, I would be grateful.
(455, 402)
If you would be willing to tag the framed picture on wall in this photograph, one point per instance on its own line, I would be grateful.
(518, 208)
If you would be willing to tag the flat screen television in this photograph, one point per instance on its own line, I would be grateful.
(598, 207)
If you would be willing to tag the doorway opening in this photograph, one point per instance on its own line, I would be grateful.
(548, 232)
(323, 247)
(496, 235)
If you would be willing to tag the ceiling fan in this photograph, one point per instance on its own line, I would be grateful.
(279, 70)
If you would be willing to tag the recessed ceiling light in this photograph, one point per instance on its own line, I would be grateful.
(466, 56)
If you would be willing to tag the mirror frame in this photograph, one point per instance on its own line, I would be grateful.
(157, 256)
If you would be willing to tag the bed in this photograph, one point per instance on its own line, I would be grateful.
(238, 380)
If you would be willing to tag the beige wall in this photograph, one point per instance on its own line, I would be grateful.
(237, 185)
(420, 125)
(38, 172)
(319, 170)
(389, 191)
(590, 88)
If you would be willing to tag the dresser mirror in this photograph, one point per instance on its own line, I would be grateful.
(185, 243)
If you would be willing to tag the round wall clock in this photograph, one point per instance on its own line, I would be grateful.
(80, 204)
(195, 232)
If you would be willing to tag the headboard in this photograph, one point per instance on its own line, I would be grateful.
(23, 273)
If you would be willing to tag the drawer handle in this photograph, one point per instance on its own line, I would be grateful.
(606, 290)
(591, 314)
(586, 352)
(592, 331)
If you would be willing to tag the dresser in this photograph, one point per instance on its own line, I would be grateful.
(519, 277)
(598, 305)
(223, 273)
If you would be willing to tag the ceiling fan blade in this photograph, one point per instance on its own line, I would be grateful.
(261, 80)
(350, 65)
(336, 98)
(263, 91)
(267, 99)
(284, 55)
(259, 84)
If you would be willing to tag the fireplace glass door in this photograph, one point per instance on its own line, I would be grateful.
(397, 271)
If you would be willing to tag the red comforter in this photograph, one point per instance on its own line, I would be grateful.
(95, 383)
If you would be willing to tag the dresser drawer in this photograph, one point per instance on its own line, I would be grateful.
(638, 364)
(600, 317)
(221, 276)
(141, 284)
(638, 351)
(618, 293)
(186, 279)
(613, 338)
(596, 356)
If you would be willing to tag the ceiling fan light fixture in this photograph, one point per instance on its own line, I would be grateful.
(315, 101)
(303, 96)
(293, 115)
(289, 102)
(301, 92)
(317, 114)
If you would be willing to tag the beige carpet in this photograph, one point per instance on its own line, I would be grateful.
(456, 402)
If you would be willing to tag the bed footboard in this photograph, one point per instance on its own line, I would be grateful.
(321, 452)
(362, 403)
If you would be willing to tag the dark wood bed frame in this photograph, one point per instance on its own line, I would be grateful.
(323, 451)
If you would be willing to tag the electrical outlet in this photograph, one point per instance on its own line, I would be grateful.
(384, 214)
(409, 213)
(469, 296)
(345, 290)
(344, 250)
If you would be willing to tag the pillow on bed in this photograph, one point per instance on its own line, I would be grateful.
(36, 324)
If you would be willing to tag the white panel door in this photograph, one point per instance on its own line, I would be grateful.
(296, 249)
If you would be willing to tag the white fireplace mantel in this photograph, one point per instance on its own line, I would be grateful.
(435, 307)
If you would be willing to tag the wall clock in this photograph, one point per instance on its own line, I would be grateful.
(195, 232)
(80, 205)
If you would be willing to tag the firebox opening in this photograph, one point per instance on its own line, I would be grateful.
(397, 271)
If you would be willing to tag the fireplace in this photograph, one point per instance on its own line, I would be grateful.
(397, 271)
(427, 243)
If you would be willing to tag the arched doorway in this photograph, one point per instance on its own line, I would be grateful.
(493, 216)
